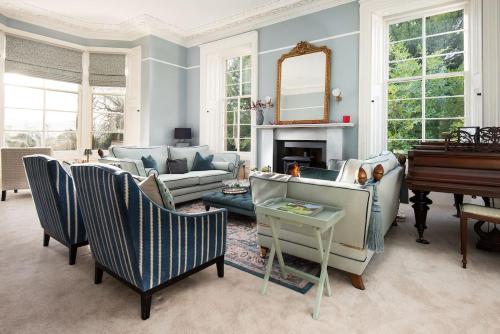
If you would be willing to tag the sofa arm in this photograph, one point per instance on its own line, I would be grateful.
(134, 167)
(228, 161)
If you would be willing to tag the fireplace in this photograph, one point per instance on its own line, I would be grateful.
(308, 153)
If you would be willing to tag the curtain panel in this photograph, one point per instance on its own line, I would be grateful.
(42, 60)
(106, 69)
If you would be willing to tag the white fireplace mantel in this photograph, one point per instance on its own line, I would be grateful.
(331, 133)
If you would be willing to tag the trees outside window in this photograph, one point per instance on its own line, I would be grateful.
(40, 112)
(107, 116)
(237, 104)
(425, 84)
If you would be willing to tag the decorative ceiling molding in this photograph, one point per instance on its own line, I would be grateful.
(144, 24)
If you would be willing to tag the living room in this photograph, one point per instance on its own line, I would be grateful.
(321, 165)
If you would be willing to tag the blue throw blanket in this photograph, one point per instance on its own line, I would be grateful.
(375, 240)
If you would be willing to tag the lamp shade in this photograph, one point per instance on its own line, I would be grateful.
(182, 133)
(87, 151)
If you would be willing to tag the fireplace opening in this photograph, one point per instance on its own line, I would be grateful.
(301, 153)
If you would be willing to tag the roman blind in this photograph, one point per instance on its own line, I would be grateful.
(107, 69)
(42, 60)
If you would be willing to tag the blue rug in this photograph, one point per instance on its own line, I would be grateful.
(243, 253)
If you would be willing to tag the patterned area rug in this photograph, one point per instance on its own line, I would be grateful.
(243, 251)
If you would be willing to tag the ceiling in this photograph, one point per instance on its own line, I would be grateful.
(187, 22)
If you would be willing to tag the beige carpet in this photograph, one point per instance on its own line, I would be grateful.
(411, 288)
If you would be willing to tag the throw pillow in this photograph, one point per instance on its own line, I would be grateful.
(157, 192)
(177, 166)
(201, 163)
(149, 162)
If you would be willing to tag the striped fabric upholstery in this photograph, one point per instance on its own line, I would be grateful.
(139, 241)
(55, 199)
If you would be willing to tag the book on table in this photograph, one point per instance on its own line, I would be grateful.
(301, 208)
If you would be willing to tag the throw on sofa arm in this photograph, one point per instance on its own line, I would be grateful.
(134, 167)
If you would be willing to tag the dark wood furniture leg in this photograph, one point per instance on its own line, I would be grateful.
(207, 207)
(15, 191)
(394, 222)
(46, 239)
(4, 195)
(357, 281)
(263, 251)
(459, 199)
(220, 266)
(98, 274)
(420, 206)
(145, 305)
(72, 254)
(463, 240)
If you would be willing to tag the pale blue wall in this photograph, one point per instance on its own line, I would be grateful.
(334, 21)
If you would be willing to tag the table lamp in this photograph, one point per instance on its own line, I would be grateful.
(88, 153)
(181, 134)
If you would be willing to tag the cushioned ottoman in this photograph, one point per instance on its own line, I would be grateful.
(241, 203)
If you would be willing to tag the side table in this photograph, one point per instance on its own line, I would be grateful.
(318, 224)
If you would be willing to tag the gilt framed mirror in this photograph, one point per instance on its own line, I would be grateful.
(303, 85)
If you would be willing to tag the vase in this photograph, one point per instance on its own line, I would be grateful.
(260, 117)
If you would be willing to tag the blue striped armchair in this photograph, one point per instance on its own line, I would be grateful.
(141, 244)
(55, 202)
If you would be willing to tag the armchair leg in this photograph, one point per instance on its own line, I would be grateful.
(46, 239)
(15, 191)
(98, 275)
(220, 266)
(145, 305)
(357, 281)
(207, 207)
(72, 254)
(263, 251)
(4, 195)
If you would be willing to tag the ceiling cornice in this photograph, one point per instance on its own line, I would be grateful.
(144, 25)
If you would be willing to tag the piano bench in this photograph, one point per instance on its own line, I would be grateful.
(472, 211)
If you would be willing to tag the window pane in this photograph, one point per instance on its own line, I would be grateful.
(108, 122)
(61, 101)
(233, 64)
(233, 90)
(60, 121)
(23, 119)
(247, 75)
(445, 64)
(405, 109)
(245, 117)
(232, 104)
(247, 61)
(105, 140)
(21, 97)
(436, 129)
(60, 141)
(245, 103)
(448, 43)
(108, 90)
(230, 145)
(405, 69)
(232, 78)
(61, 85)
(444, 22)
(444, 107)
(401, 146)
(108, 103)
(22, 80)
(404, 90)
(23, 139)
(445, 86)
(230, 131)
(245, 131)
(247, 89)
(245, 145)
(405, 30)
(230, 118)
(405, 50)
(410, 129)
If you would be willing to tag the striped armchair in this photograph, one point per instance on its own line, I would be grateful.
(139, 243)
(55, 202)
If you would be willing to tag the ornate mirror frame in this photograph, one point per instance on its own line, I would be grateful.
(303, 48)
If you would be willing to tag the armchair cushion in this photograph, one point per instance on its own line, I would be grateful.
(157, 192)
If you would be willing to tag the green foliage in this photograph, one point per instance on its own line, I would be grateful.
(405, 30)
(445, 22)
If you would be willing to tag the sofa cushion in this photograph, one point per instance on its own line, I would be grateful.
(202, 163)
(211, 176)
(149, 162)
(177, 166)
(188, 153)
(159, 153)
(175, 181)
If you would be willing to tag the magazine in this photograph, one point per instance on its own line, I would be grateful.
(301, 208)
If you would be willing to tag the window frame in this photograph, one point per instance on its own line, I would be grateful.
(423, 14)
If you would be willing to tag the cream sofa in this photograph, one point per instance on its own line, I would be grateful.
(184, 187)
(349, 252)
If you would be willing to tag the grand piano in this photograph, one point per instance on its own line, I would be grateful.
(467, 162)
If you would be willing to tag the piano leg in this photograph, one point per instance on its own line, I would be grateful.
(420, 206)
(459, 199)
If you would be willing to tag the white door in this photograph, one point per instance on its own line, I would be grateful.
(209, 101)
(132, 131)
